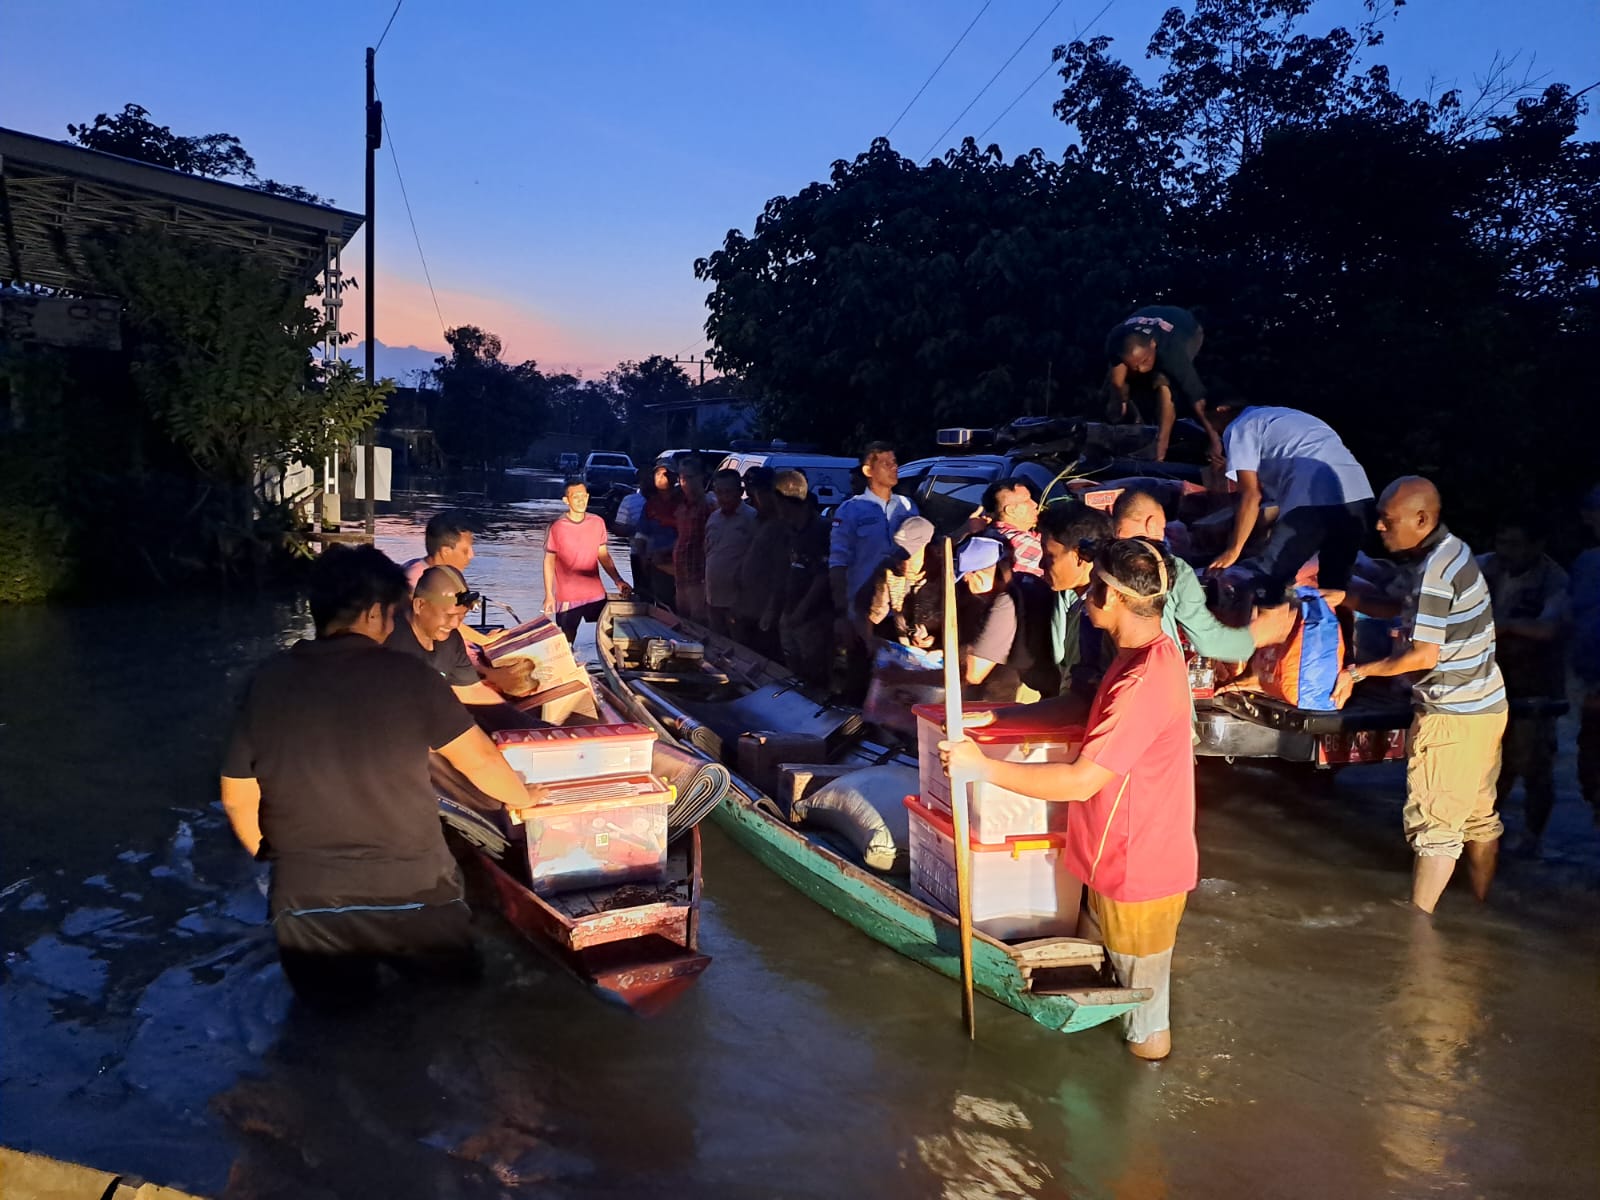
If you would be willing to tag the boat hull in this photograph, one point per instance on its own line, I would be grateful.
(884, 913)
(642, 958)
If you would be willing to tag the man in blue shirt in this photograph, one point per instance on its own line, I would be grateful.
(1291, 459)
(863, 536)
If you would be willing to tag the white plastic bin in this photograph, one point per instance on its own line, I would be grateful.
(1021, 888)
(1014, 740)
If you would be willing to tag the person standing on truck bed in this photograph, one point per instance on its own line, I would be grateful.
(861, 538)
(1293, 460)
(1156, 348)
(325, 776)
(1459, 697)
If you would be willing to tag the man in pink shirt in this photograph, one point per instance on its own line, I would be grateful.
(1130, 836)
(575, 550)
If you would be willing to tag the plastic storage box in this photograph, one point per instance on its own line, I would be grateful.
(1021, 888)
(1013, 740)
(581, 752)
(595, 832)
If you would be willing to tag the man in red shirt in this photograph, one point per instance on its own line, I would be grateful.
(1132, 840)
(574, 552)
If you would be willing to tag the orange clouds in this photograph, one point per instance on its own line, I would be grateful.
(406, 316)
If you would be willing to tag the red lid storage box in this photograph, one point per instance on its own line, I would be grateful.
(596, 832)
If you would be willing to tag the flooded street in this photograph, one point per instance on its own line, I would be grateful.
(1328, 1042)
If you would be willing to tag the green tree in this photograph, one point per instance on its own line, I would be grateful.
(488, 410)
(895, 297)
(132, 134)
(220, 350)
(1234, 70)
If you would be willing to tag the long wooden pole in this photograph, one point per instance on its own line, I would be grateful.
(960, 789)
(369, 452)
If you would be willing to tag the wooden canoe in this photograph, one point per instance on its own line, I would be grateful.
(1062, 983)
(636, 945)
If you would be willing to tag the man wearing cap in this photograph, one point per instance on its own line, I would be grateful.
(986, 614)
(326, 777)
(900, 602)
(575, 552)
(1130, 831)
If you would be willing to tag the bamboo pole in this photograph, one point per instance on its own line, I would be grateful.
(960, 790)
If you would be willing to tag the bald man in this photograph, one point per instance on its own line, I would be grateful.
(1458, 697)
(1138, 514)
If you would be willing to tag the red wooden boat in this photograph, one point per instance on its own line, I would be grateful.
(635, 944)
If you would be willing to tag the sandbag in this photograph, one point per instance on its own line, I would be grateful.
(1303, 670)
(867, 808)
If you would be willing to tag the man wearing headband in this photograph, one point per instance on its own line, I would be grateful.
(1130, 836)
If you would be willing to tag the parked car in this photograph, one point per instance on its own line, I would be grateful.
(567, 464)
(604, 468)
(830, 478)
(671, 458)
(947, 488)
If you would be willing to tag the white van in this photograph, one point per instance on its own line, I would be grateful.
(831, 480)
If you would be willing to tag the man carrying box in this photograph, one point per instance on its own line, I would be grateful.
(1132, 842)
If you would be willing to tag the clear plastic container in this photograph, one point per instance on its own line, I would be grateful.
(1013, 740)
(579, 752)
(597, 832)
(1021, 888)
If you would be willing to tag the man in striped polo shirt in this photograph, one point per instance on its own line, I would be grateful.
(1453, 751)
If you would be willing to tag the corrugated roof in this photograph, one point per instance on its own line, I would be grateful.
(52, 193)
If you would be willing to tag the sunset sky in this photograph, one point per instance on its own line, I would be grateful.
(566, 163)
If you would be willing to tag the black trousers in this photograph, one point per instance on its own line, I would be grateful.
(332, 947)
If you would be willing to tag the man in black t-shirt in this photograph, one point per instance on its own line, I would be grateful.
(1155, 349)
(805, 625)
(430, 630)
(326, 777)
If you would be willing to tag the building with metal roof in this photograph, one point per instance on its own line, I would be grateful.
(52, 194)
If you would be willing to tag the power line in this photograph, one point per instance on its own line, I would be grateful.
(415, 236)
(928, 154)
(939, 68)
(1105, 8)
(392, 16)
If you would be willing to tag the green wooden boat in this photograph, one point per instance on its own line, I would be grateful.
(704, 704)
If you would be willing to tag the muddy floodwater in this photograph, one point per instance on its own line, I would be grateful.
(1328, 1043)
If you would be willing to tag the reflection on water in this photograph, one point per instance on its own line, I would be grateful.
(1327, 1044)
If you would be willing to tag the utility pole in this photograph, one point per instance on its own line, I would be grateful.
(374, 140)
(691, 360)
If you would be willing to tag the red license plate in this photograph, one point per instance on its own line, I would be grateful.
(1363, 746)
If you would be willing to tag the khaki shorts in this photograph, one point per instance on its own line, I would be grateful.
(1452, 766)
